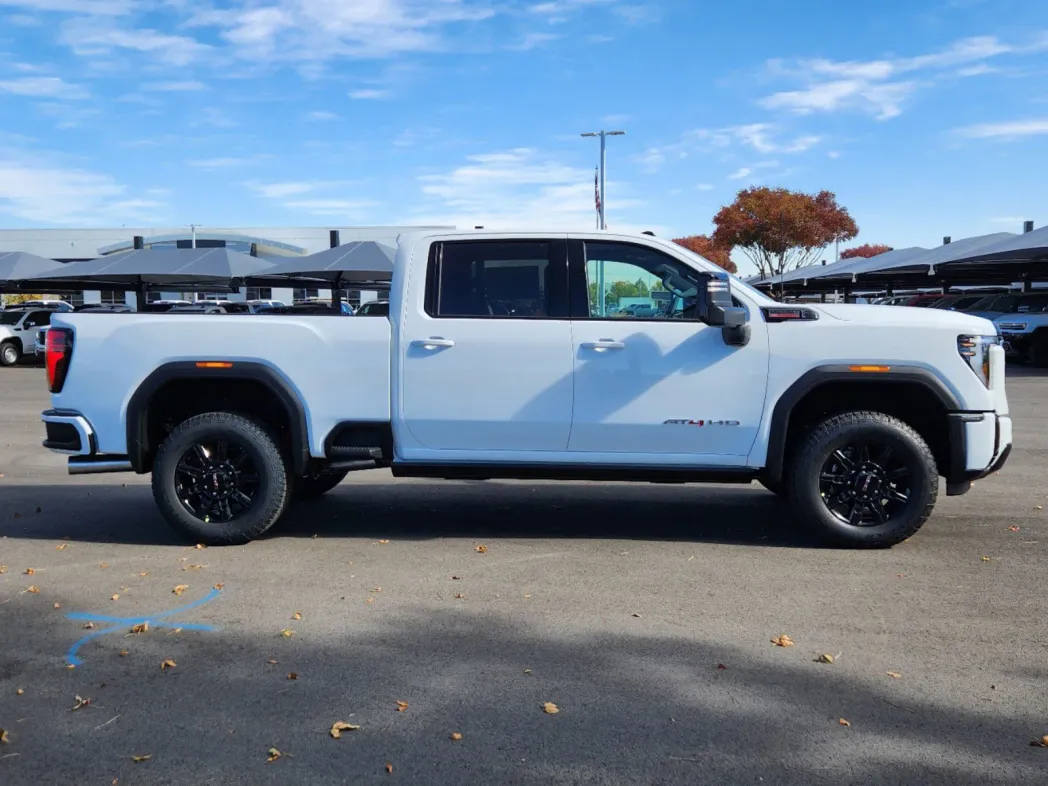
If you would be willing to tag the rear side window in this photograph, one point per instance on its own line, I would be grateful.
(520, 279)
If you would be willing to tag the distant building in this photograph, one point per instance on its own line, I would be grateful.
(73, 245)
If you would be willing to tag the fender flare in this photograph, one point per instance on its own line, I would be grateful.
(821, 375)
(138, 447)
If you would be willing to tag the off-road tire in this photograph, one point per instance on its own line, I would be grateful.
(9, 353)
(272, 496)
(310, 486)
(835, 432)
(1039, 349)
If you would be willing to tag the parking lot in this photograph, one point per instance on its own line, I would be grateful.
(419, 610)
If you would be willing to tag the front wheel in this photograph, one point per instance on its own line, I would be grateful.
(9, 354)
(865, 480)
(220, 479)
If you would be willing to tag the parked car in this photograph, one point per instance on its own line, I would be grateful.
(850, 412)
(266, 303)
(374, 308)
(957, 302)
(56, 305)
(994, 306)
(198, 308)
(1025, 335)
(18, 328)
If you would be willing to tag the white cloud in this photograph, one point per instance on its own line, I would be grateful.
(532, 40)
(92, 38)
(295, 188)
(882, 87)
(411, 136)
(522, 189)
(1015, 129)
(368, 94)
(86, 7)
(348, 208)
(20, 20)
(43, 87)
(764, 138)
(704, 187)
(747, 171)
(740, 173)
(223, 162)
(186, 86)
(833, 154)
(322, 116)
(47, 193)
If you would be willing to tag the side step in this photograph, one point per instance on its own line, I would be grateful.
(344, 452)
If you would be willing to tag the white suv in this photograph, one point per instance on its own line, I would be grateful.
(18, 327)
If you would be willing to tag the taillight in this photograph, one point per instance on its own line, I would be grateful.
(59, 353)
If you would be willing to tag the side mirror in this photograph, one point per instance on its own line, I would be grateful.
(716, 308)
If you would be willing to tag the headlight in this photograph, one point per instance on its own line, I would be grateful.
(976, 352)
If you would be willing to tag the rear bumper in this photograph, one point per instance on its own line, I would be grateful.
(70, 433)
(970, 439)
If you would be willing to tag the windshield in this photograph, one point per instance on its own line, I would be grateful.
(10, 317)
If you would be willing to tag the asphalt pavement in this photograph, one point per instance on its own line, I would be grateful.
(644, 613)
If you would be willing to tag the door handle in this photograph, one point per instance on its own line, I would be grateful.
(433, 343)
(603, 344)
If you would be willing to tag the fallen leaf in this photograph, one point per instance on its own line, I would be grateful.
(142, 627)
(1013, 528)
(144, 573)
(456, 736)
(61, 546)
(201, 546)
(293, 675)
(340, 726)
(527, 671)
(825, 657)
(527, 594)
(33, 588)
(3, 568)
(272, 661)
(29, 571)
(58, 605)
(194, 567)
(89, 626)
(19, 692)
(167, 664)
(1038, 507)
(80, 704)
(721, 666)
(456, 578)
(985, 559)
(3, 737)
(145, 757)
(481, 549)
(782, 640)
(297, 615)
(843, 722)
(635, 614)
(70, 667)
(220, 586)
(274, 754)
(550, 708)
(401, 705)
(370, 600)
(287, 633)
(1041, 743)
(103, 565)
(893, 674)
(377, 589)
(459, 595)
(114, 597)
(180, 589)
(389, 767)
(383, 542)
(124, 653)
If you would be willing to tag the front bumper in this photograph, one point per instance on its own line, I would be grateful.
(71, 434)
(1016, 344)
(970, 434)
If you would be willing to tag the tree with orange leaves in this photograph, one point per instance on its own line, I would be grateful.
(865, 251)
(704, 247)
(782, 230)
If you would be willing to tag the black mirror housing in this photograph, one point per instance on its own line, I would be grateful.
(716, 307)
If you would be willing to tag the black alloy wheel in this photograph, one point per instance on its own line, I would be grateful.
(865, 483)
(217, 481)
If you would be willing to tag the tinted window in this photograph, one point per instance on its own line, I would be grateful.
(10, 317)
(624, 281)
(504, 280)
(1033, 303)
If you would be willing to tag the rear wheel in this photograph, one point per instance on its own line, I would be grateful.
(316, 484)
(864, 479)
(9, 353)
(220, 478)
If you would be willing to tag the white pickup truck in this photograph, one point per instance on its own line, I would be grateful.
(504, 356)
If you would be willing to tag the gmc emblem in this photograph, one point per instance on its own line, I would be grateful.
(676, 422)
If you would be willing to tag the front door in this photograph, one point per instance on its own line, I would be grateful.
(650, 378)
(486, 360)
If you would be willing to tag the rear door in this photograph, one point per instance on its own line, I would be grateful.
(485, 350)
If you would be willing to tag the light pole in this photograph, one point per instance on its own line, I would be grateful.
(603, 164)
(193, 229)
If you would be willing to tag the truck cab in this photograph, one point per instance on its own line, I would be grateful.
(507, 355)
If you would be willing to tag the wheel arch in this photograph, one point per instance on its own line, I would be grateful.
(142, 443)
(823, 380)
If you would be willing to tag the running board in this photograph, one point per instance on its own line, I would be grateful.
(633, 474)
(97, 465)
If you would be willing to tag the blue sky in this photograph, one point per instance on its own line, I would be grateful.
(926, 117)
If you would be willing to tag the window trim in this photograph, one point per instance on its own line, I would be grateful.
(579, 283)
(559, 285)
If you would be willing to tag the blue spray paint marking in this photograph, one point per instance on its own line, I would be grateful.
(155, 620)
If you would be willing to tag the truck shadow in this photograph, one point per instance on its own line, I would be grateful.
(410, 510)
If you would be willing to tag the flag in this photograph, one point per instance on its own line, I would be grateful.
(596, 190)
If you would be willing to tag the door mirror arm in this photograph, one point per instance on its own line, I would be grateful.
(717, 309)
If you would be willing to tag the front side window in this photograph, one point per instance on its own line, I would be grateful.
(624, 281)
(508, 280)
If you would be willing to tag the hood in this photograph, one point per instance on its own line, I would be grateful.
(907, 315)
(6, 332)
